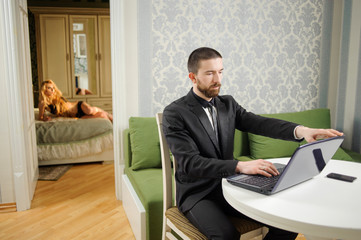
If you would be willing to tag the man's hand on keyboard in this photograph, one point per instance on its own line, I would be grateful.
(259, 166)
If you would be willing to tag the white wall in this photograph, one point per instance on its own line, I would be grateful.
(131, 56)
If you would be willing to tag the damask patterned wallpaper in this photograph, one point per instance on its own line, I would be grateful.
(271, 50)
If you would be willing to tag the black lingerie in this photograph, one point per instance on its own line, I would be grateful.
(52, 108)
(80, 112)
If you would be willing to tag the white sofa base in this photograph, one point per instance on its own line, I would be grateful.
(134, 209)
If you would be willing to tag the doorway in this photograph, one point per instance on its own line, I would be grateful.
(118, 91)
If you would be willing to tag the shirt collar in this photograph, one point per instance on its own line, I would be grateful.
(202, 101)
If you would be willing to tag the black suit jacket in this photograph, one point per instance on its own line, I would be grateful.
(201, 162)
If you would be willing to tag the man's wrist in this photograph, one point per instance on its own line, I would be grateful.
(296, 136)
(238, 169)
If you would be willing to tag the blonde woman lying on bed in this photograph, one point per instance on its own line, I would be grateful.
(51, 99)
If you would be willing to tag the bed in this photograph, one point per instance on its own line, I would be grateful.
(72, 140)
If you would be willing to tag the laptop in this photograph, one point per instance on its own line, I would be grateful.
(306, 162)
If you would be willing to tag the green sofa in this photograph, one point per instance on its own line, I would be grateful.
(143, 164)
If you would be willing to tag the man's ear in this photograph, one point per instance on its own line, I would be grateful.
(192, 77)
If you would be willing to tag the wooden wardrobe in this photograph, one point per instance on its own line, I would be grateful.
(73, 50)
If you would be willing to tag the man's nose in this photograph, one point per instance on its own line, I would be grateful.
(217, 78)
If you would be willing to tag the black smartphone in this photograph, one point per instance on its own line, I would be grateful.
(341, 177)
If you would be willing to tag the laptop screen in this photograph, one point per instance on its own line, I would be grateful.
(308, 161)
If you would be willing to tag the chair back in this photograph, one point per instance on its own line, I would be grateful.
(166, 166)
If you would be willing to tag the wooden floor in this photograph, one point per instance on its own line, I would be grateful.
(80, 205)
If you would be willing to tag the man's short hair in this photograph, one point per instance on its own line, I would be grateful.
(203, 53)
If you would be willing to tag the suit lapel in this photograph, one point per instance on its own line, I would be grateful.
(223, 129)
(198, 110)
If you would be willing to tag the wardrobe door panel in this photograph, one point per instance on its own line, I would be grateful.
(105, 57)
(55, 55)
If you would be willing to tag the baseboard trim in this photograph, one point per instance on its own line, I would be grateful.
(7, 207)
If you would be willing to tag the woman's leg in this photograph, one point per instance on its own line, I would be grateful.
(94, 112)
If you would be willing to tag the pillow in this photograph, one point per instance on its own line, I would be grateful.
(264, 147)
(144, 142)
(240, 145)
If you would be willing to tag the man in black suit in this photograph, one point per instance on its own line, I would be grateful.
(199, 129)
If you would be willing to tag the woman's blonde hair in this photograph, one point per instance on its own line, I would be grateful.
(57, 99)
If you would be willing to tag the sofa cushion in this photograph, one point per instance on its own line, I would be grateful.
(240, 145)
(264, 147)
(144, 142)
(341, 154)
(356, 157)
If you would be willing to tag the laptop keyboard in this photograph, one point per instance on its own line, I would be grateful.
(262, 181)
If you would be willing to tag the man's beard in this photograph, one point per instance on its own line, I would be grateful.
(209, 92)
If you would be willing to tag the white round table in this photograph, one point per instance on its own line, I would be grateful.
(320, 208)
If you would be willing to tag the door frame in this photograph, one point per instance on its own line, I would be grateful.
(14, 70)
